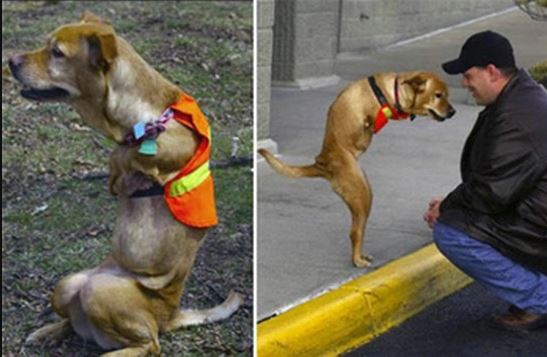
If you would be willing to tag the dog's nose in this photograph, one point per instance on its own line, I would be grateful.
(451, 112)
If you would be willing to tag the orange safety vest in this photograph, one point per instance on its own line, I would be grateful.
(190, 195)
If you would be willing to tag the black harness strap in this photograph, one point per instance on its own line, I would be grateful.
(155, 190)
(377, 91)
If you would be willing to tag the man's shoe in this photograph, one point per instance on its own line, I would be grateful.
(520, 320)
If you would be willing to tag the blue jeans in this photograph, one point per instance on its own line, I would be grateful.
(503, 277)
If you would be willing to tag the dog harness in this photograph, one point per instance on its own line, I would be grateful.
(386, 112)
(190, 194)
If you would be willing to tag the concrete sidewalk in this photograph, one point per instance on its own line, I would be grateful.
(303, 227)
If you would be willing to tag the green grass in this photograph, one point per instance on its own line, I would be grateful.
(234, 189)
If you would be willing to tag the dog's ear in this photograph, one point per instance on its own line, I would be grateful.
(102, 50)
(89, 17)
(417, 83)
(410, 87)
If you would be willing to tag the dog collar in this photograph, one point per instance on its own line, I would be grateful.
(145, 134)
(386, 112)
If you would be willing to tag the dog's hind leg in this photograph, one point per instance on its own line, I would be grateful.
(351, 184)
(66, 289)
(115, 313)
(197, 317)
(62, 296)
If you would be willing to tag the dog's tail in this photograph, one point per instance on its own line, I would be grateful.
(289, 170)
(198, 317)
(51, 332)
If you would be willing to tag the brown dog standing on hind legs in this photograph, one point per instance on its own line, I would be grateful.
(360, 111)
(160, 173)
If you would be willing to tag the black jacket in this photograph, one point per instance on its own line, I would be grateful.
(502, 199)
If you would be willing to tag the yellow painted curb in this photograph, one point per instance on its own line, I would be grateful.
(362, 309)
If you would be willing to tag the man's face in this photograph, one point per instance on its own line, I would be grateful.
(479, 82)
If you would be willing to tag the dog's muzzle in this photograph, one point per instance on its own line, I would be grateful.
(450, 113)
(28, 92)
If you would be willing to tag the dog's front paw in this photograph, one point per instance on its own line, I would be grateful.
(115, 178)
(113, 184)
(363, 261)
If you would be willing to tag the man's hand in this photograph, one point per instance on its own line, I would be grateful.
(432, 213)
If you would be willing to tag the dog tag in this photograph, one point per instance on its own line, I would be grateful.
(138, 130)
(148, 147)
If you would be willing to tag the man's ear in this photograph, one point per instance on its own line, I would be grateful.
(102, 50)
(494, 72)
(90, 17)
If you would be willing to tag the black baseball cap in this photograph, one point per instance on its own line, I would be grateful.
(480, 50)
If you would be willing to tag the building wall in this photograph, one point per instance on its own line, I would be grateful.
(305, 38)
(370, 24)
(308, 34)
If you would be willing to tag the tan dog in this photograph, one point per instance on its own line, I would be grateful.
(350, 122)
(134, 294)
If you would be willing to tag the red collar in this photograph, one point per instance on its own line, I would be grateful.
(386, 111)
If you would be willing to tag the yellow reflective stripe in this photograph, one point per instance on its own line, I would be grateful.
(191, 181)
(387, 112)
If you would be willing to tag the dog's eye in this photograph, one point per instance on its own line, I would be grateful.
(438, 95)
(57, 53)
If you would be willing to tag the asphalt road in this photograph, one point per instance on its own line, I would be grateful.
(459, 326)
